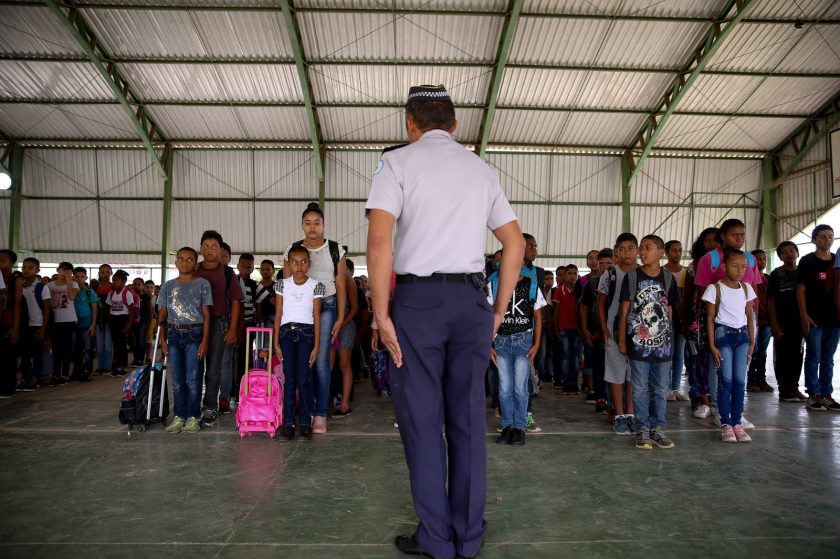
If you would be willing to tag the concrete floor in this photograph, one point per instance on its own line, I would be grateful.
(75, 485)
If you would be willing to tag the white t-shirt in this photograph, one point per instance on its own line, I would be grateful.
(115, 301)
(63, 308)
(321, 266)
(299, 300)
(2, 282)
(36, 313)
(733, 302)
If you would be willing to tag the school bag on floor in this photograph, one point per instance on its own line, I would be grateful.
(379, 372)
(145, 398)
(260, 407)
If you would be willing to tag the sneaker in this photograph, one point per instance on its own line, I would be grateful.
(790, 397)
(764, 387)
(117, 373)
(224, 406)
(702, 411)
(499, 428)
(753, 388)
(620, 426)
(319, 425)
(741, 435)
(337, 413)
(672, 396)
(288, 432)
(517, 437)
(496, 412)
(209, 417)
(727, 434)
(814, 403)
(643, 440)
(660, 439)
(506, 436)
(631, 423)
(746, 423)
(176, 426)
(306, 431)
(192, 425)
(682, 396)
(716, 418)
(802, 397)
(601, 406)
(531, 424)
(830, 404)
(590, 398)
(24, 386)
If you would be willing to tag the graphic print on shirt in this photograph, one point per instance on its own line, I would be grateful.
(520, 314)
(59, 299)
(649, 327)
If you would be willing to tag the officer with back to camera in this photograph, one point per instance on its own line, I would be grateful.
(439, 329)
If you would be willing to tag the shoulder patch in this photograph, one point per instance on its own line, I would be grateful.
(379, 167)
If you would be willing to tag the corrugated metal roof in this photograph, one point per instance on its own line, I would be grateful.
(234, 220)
(65, 121)
(218, 34)
(372, 36)
(242, 83)
(53, 80)
(131, 225)
(390, 84)
(792, 95)
(35, 30)
(383, 123)
(523, 177)
(749, 133)
(45, 224)
(668, 223)
(483, 5)
(673, 8)
(5, 216)
(564, 127)
(600, 129)
(804, 9)
(245, 123)
(716, 93)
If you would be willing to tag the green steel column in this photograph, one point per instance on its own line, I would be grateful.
(768, 208)
(168, 156)
(626, 177)
(16, 170)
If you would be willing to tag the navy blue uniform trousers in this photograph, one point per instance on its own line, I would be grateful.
(445, 332)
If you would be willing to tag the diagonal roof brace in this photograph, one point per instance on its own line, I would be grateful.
(505, 42)
(315, 132)
(140, 118)
(645, 140)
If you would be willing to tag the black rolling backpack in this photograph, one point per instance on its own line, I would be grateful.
(145, 398)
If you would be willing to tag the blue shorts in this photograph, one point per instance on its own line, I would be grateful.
(347, 336)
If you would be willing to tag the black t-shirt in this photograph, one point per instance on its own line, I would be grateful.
(265, 298)
(360, 296)
(649, 329)
(145, 304)
(589, 298)
(520, 313)
(783, 288)
(818, 277)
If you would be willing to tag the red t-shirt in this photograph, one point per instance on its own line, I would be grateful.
(567, 308)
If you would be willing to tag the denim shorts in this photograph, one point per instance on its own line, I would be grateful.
(347, 336)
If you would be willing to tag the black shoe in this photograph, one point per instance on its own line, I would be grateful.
(338, 413)
(116, 373)
(505, 437)
(288, 432)
(306, 432)
(518, 437)
(409, 546)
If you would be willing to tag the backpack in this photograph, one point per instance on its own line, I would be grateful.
(632, 277)
(717, 296)
(530, 273)
(714, 260)
(133, 315)
(39, 299)
(335, 253)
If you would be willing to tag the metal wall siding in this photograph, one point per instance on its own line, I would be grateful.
(66, 121)
(667, 223)
(5, 216)
(213, 174)
(241, 83)
(663, 181)
(51, 172)
(277, 226)
(234, 220)
(575, 230)
(128, 173)
(131, 225)
(60, 225)
(593, 179)
(53, 80)
(523, 177)
(349, 173)
(35, 30)
(285, 174)
(346, 223)
(675, 8)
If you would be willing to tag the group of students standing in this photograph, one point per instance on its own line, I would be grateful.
(637, 323)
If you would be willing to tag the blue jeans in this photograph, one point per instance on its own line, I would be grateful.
(322, 364)
(104, 346)
(185, 368)
(758, 364)
(650, 390)
(514, 377)
(677, 361)
(214, 362)
(820, 345)
(544, 361)
(733, 344)
(569, 356)
(296, 343)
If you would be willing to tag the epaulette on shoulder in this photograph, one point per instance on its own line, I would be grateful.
(392, 148)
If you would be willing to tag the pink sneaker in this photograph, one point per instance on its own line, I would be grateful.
(741, 435)
(727, 434)
(319, 425)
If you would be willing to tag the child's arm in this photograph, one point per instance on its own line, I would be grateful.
(535, 346)
(602, 315)
(584, 324)
(278, 318)
(341, 297)
(316, 312)
(94, 309)
(710, 332)
(232, 333)
(205, 333)
(623, 311)
(132, 308)
(164, 344)
(750, 329)
(772, 316)
(47, 309)
(806, 320)
(71, 291)
(354, 302)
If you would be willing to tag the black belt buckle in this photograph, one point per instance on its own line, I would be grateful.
(478, 280)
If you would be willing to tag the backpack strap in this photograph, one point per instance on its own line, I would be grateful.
(714, 260)
(228, 279)
(631, 283)
(39, 293)
(669, 280)
(335, 253)
(717, 299)
(750, 259)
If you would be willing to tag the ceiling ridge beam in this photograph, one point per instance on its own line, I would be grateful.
(645, 139)
(502, 52)
(143, 123)
(315, 132)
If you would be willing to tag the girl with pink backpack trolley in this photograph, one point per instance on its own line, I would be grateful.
(261, 390)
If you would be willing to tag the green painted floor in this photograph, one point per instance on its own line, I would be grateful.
(75, 485)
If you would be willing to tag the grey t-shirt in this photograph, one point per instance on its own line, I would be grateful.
(444, 199)
(604, 287)
(183, 301)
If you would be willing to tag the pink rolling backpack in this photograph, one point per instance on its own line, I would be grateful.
(260, 392)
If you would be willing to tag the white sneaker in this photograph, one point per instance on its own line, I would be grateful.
(716, 418)
(746, 424)
(702, 412)
(682, 396)
(672, 396)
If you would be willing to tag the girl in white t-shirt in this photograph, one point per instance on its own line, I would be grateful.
(297, 333)
(729, 324)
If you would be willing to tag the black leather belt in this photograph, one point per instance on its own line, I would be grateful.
(184, 327)
(476, 279)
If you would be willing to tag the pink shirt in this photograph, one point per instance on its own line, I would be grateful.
(706, 276)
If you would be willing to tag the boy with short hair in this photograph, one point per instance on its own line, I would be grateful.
(648, 295)
(783, 316)
(297, 337)
(265, 294)
(184, 317)
(104, 343)
(757, 373)
(590, 327)
(121, 304)
(224, 318)
(10, 296)
(250, 316)
(87, 310)
(673, 252)
(617, 367)
(63, 291)
(566, 329)
(33, 319)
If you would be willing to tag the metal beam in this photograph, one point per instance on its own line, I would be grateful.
(646, 138)
(626, 175)
(767, 233)
(15, 209)
(316, 136)
(505, 42)
(165, 242)
(140, 119)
